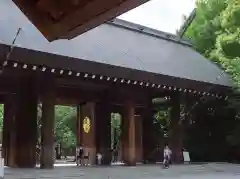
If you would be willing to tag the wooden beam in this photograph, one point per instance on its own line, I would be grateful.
(68, 18)
(109, 13)
(37, 17)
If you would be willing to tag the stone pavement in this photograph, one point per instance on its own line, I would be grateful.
(206, 171)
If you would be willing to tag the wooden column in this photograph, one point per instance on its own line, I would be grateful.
(139, 150)
(47, 128)
(78, 125)
(129, 134)
(26, 123)
(9, 136)
(6, 131)
(124, 137)
(88, 140)
(148, 135)
(175, 134)
(103, 130)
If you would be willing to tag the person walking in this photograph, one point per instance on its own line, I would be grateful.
(86, 157)
(99, 158)
(80, 156)
(81, 151)
(166, 156)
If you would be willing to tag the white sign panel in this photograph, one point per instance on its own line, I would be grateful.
(186, 156)
(1, 168)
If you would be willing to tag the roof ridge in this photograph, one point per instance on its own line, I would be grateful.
(148, 31)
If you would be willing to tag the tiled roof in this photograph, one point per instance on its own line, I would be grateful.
(117, 43)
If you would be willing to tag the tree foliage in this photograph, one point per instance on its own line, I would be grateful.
(162, 120)
(65, 126)
(215, 33)
(1, 117)
(115, 130)
(204, 29)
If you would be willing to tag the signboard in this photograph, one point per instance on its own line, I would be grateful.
(186, 156)
(86, 125)
(1, 168)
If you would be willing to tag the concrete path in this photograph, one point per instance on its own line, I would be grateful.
(206, 171)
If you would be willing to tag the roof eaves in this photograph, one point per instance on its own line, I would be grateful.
(148, 31)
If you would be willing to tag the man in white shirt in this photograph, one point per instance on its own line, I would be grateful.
(166, 156)
(99, 158)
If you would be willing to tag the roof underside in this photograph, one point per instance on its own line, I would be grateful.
(58, 19)
(119, 44)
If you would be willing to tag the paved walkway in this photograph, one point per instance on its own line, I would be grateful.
(206, 171)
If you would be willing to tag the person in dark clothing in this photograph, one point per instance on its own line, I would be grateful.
(86, 158)
(80, 156)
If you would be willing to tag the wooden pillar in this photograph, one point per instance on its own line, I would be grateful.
(103, 130)
(78, 125)
(20, 124)
(124, 136)
(8, 145)
(47, 128)
(26, 123)
(139, 150)
(148, 135)
(129, 134)
(6, 131)
(175, 134)
(88, 140)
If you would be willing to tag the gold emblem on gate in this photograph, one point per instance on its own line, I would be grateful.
(86, 124)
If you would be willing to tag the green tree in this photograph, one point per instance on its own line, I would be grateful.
(115, 129)
(65, 126)
(204, 29)
(162, 120)
(215, 33)
(1, 116)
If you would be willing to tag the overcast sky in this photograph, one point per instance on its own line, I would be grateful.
(164, 15)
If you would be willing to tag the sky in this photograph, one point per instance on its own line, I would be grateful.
(163, 15)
